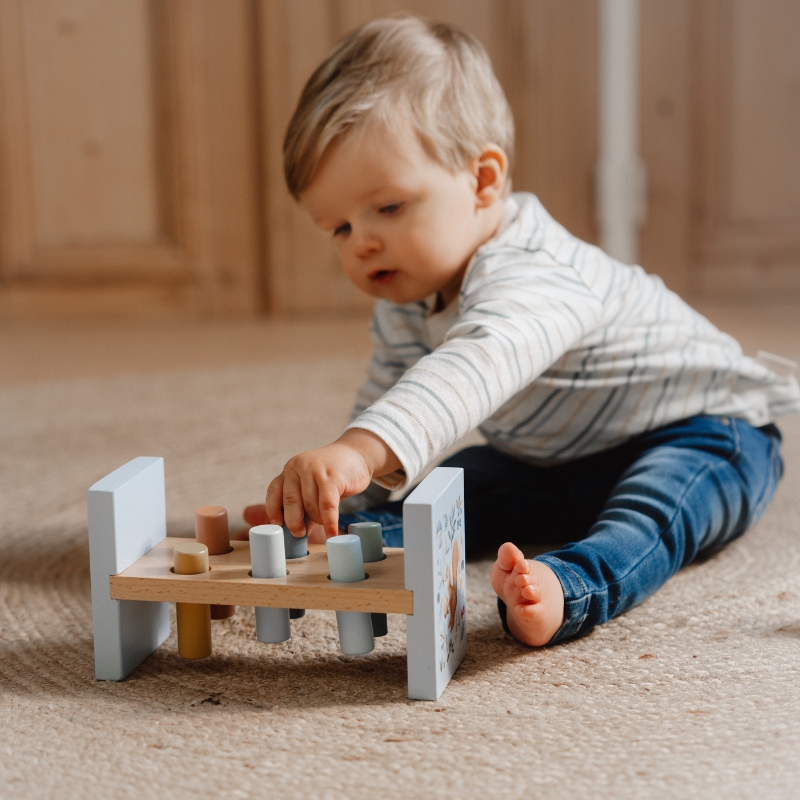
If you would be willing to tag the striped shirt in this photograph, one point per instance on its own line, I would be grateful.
(554, 351)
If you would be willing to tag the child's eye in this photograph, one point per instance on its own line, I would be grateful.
(342, 230)
(392, 208)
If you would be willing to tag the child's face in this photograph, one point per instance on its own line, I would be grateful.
(404, 226)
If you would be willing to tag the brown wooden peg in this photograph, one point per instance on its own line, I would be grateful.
(211, 529)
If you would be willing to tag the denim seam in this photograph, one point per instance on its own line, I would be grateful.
(737, 441)
(773, 480)
(585, 591)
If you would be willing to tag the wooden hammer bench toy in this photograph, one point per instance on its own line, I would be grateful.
(136, 570)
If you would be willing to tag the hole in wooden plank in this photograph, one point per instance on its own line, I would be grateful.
(250, 573)
(172, 570)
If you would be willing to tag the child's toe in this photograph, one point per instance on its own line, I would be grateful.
(522, 567)
(527, 611)
(523, 579)
(508, 556)
(530, 593)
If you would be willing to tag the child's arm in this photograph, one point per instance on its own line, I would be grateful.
(313, 482)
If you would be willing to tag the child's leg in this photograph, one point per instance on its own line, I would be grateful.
(697, 485)
(507, 499)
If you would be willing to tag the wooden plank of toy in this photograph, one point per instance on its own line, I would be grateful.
(306, 584)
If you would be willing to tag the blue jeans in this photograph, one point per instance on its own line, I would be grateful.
(626, 519)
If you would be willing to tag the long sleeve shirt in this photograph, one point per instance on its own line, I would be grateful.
(554, 350)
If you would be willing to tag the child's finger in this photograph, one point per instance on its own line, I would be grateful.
(308, 486)
(274, 504)
(256, 515)
(329, 508)
(293, 509)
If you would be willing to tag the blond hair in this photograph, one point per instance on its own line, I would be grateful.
(437, 77)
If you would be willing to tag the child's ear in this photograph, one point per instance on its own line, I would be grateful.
(490, 170)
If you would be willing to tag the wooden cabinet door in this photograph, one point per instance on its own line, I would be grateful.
(140, 145)
(720, 133)
(127, 157)
(748, 177)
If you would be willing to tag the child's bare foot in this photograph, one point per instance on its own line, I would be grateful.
(532, 594)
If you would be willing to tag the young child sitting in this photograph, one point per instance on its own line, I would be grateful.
(619, 421)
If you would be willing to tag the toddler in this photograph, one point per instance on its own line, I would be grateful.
(619, 422)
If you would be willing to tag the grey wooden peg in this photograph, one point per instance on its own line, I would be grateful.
(268, 560)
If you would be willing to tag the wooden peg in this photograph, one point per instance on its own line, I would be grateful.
(296, 547)
(346, 564)
(194, 619)
(211, 529)
(371, 535)
(268, 560)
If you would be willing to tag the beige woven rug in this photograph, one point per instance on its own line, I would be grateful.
(694, 694)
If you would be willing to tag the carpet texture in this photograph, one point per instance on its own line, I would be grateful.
(696, 693)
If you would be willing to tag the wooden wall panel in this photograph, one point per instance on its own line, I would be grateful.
(128, 157)
(233, 158)
(140, 145)
(563, 126)
(92, 122)
(302, 270)
(764, 58)
(666, 145)
(720, 122)
(748, 161)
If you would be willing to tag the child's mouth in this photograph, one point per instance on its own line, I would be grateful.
(382, 275)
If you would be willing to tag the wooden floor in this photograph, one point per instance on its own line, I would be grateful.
(32, 352)
(62, 350)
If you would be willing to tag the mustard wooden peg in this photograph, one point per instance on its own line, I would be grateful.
(194, 619)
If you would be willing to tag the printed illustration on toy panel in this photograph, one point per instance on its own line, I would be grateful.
(451, 620)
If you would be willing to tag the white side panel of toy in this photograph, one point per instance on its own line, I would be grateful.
(127, 518)
(433, 540)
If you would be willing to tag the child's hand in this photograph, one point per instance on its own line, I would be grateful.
(257, 515)
(314, 482)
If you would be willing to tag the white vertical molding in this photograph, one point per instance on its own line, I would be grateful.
(621, 174)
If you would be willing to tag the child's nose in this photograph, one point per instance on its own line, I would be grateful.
(366, 244)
